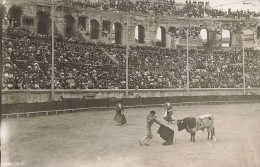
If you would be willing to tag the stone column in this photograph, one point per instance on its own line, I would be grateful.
(131, 32)
(168, 40)
(76, 27)
(150, 34)
(36, 21)
(214, 39)
(236, 39)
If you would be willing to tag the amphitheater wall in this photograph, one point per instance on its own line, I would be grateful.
(33, 96)
(150, 22)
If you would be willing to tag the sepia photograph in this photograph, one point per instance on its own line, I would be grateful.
(130, 83)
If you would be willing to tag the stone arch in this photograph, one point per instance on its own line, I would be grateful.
(69, 26)
(106, 26)
(44, 22)
(161, 36)
(172, 31)
(94, 29)
(225, 38)
(204, 35)
(15, 14)
(248, 37)
(118, 33)
(82, 22)
(248, 34)
(139, 34)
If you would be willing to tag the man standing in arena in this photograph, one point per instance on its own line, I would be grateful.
(168, 116)
(151, 118)
(120, 117)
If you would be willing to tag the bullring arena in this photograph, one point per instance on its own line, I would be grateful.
(92, 139)
(68, 64)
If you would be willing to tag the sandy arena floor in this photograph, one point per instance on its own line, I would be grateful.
(91, 139)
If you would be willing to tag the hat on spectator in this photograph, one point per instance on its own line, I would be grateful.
(10, 85)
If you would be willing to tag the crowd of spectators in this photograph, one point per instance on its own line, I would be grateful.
(197, 9)
(84, 65)
(27, 63)
(156, 67)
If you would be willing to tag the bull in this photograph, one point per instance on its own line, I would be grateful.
(193, 124)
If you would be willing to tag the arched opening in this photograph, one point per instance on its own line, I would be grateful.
(15, 14)
(161, 37)
(226, 38)
(69, 25)
(172, 31)
(106, 26)
(94, 29)
(118, 33)
(248, 38)
(82, 23)
(204, 35)
(258, 32)
(44, 22)
(139, 34)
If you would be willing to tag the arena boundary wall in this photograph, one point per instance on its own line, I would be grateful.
(34, 96)
(70, 106)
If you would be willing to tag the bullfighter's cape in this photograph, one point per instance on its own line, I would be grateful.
(166, 133)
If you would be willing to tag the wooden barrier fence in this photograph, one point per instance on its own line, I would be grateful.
(70, 106)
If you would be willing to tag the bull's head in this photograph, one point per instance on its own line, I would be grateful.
(181, 125)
